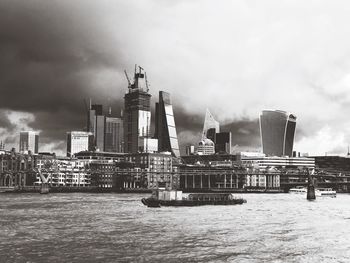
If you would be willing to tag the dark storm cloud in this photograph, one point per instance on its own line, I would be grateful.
(55, 53)
(50, 57)
(245, 133)
(5, 123)
(187, 121)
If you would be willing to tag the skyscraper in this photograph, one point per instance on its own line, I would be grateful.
(165, 125)
(137, 111)
(210, 127)
(223, 141)
(100, 132)
(96, 125)
(29, 141)
(277, 129)
(78, 141)
(114, 135)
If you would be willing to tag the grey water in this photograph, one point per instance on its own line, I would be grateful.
(82, 227)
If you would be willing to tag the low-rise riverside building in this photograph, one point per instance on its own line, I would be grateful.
(200, 177)
(273, 171)
(15, 169)
(154, 169)
(103, 175)
(135, 172)
(62, 172)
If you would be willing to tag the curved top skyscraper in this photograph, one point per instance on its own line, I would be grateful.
(277, 129)
(165, 130)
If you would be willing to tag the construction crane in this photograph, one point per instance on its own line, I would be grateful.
(147, 85)
(128, 79)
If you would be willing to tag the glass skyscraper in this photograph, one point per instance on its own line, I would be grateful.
(114, 135)
(277, 129)
(28, 141)
(223, 141)
(165, 125)
(210, 127)
(96, 125)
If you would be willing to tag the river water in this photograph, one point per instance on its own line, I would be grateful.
(83, 227)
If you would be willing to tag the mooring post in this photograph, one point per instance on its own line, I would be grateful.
(310, 188)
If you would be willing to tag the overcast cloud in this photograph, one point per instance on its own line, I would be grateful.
(234, 57)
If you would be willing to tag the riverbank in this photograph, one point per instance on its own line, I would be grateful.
(92, 189)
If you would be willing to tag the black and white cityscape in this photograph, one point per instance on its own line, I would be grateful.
(174, 131)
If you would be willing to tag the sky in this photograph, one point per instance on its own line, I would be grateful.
(235, 58)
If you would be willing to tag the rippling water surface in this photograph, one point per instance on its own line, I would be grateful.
(118, 228)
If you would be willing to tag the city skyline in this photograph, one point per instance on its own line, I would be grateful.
(237, 63)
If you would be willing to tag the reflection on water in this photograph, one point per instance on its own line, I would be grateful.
(118, 228)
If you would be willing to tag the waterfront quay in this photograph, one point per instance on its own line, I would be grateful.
(143, 172)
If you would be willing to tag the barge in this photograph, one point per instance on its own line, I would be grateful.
(177, 198)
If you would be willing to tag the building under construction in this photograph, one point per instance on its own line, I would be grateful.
(137, 113)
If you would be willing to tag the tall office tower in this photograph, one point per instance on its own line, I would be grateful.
(210, 123)
(114, 135)
(165, 125)
(211, 133)
(78, 141)
(100, 132)
(96, 124)
(277, 130)
(137, 111)
(28, 141)
(223, 142)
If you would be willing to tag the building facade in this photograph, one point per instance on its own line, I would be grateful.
(148, 145)
(155, 169)
(200, 178)
(97, 125)
(223, 142)
(15, 169)
(275, 172)
(277, 129)
(29, 141)
(62, 172)
(78, 141)
(114, 135)
(206, 147)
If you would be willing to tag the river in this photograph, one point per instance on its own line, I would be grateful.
(84, 227)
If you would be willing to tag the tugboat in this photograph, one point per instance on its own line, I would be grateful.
(162, 197)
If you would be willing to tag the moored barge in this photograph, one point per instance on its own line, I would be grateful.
(177, 198)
